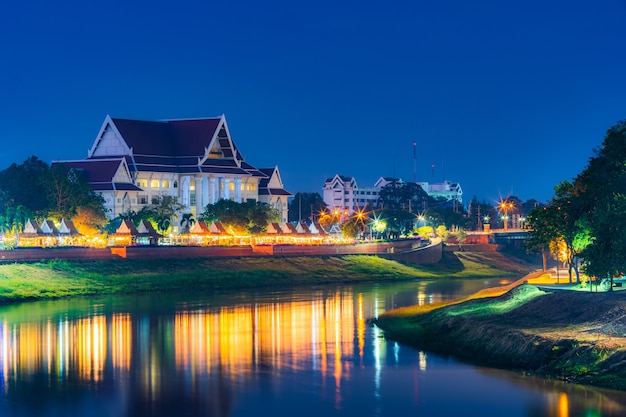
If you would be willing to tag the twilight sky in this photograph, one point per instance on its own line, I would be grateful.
(507, 98)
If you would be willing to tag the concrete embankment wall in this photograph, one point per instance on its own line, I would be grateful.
(477, 247)
(418, 256)
(408, 250)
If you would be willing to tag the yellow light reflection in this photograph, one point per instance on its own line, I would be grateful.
(563, 405)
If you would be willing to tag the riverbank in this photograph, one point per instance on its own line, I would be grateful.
(573, 336)
(66, 278)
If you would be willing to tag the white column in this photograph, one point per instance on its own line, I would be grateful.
(199, 207)
(205, 192)
(238, 190)
(184, 191)
(213, 192)
(226, 188)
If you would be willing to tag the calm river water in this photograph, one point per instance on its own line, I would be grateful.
(298, 352)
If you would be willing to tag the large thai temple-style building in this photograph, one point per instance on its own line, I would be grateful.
(134, 162)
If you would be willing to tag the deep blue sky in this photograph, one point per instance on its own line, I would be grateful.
(507, 98)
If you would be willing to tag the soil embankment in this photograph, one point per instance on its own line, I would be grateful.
(570, 335)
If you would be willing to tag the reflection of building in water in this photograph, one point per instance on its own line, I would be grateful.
(66, 347)
(322, 334)
(280, 335)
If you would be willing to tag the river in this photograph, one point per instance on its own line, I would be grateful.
(296, 352)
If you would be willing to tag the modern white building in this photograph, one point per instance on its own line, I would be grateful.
(342, 193)
(134, 162)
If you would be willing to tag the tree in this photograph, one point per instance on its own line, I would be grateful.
(186, 222)
(25, 185)
(400, 195)
(13, 220)
(398, 222)
(442, 213)
(604, 255)
(68, 190)
(350, 229)
(89, 221)
(306, 206)
(599, 190)
(559, 222)
(242, 218)
(162, 211)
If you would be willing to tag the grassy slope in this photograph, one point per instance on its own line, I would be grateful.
(565, 335)
(54, 279)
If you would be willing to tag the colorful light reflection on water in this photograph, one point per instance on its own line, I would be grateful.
(304, 352)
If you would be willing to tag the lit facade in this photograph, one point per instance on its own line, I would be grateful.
(133, 162)
(343, 194)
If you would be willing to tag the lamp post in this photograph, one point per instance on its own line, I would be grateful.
(505, 207)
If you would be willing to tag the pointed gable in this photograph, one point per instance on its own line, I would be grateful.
(302, 228)
(316, 228)
(31, 227)
(109, 141)
(186, 145)
(48, 227)
(272, 184)
(199, 228)
(274, 229)
(218, 228)
(127, 228)
(289, 228)
(68, 228)
(146, 229)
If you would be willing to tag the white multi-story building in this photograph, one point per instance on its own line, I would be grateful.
(342, 193)
(134, 162)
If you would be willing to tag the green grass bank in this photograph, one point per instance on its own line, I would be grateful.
(568, 335)
(65, 278)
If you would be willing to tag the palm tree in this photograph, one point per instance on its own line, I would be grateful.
(187, 222)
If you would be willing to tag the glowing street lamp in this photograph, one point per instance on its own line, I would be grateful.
(505, 207)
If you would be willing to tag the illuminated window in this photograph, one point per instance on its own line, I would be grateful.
(243, 186)
(231, 186)
(143, 183)
(165, 184)
(154, 184)
(251, 187)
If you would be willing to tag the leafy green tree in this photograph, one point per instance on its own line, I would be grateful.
(399, 223)
(605, 255)
(350, 229)
(408, 196)
(162, 211)
(559, 221)
(259, 216)
(444, 214)
(25, 185)
(13, 220)
(186, 222)
(248, 217)
(478, 212)
(306, 206)
(599, 189)
(541, 223)
(68, 190)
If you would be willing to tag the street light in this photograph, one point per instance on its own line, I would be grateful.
(505, 207)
